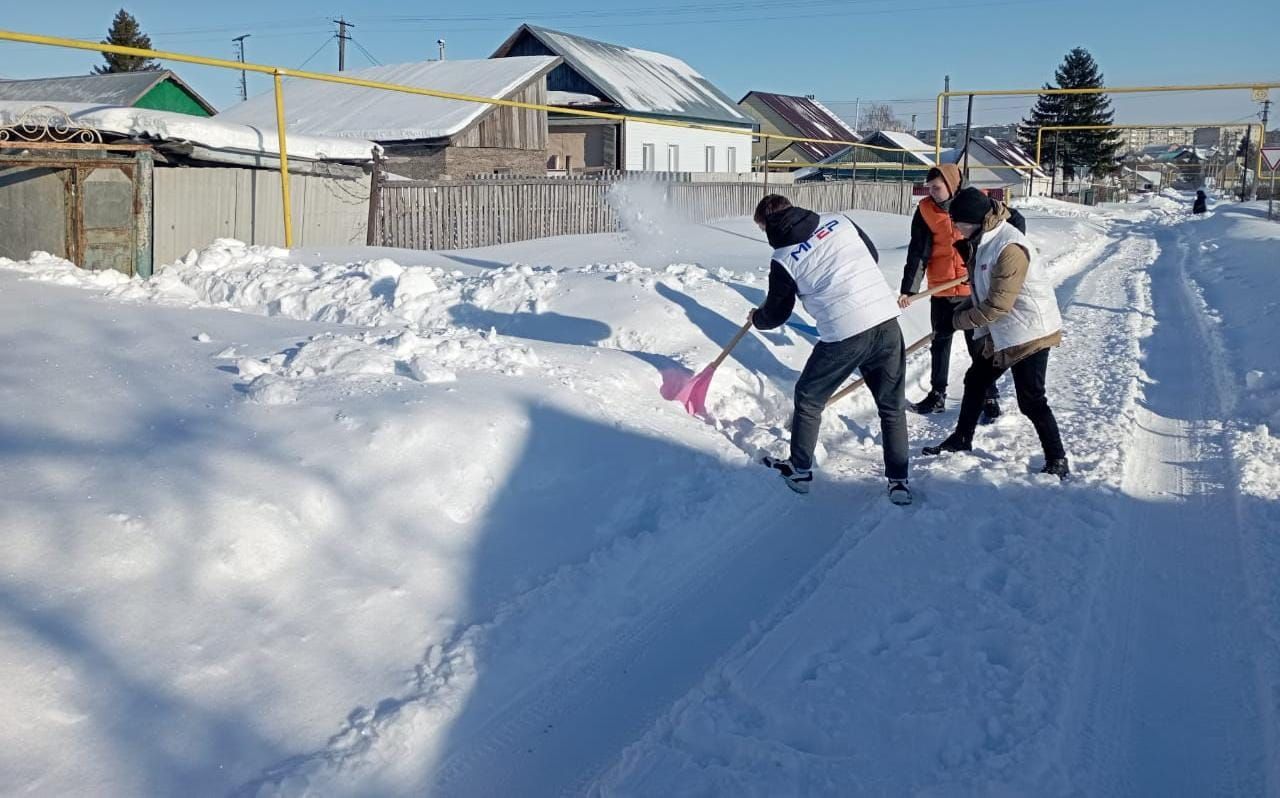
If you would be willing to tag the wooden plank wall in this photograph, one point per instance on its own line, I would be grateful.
(465, 214)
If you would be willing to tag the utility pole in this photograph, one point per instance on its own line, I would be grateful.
(342, 42)
(1266, 109)
(968, 128)
(946, 109)
(244, 82)
(857, 113)
(1244, 172)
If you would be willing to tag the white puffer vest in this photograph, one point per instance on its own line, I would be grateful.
(838, 281)
(1035, 311)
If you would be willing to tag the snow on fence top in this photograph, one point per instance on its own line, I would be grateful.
(332, 109)
(213, 133)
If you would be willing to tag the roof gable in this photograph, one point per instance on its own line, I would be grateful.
(639, 81)
(123, 89)
(807, 118)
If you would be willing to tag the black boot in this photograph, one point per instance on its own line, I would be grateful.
(1058, 466)
(935, 402)
(955, 442)
(990, 411)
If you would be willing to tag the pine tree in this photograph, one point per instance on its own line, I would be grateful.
(1091, 150)
(124, 32)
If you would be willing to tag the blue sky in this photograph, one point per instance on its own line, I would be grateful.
(837, 50)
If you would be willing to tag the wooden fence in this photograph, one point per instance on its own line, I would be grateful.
(421, 214)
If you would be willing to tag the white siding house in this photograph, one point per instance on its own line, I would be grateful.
(695, 150)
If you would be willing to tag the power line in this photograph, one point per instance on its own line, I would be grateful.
(317, 52)
(623, 11)
(734, 20)
(367, 54)
(280, 27)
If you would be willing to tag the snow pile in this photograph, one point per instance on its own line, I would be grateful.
(373, 292)
(48, 268)
(1230, 259)
(434, 358)
(1257, 451)
(1058, 208)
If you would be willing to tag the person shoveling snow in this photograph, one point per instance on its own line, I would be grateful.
(830, 264)
(1015, 313)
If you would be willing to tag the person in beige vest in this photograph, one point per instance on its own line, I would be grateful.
(1014, 314)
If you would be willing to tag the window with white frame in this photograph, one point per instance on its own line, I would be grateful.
(710, 159)
(673, 157)
(731, 159)
(648, 158)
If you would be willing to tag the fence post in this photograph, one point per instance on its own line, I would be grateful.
(766, 164)
(902, 178)
(375, 202)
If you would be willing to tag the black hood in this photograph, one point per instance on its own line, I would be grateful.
(789, 227)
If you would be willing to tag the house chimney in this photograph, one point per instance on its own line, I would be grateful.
(440, 44)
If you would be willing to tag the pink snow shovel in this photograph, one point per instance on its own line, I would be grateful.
(691, 391)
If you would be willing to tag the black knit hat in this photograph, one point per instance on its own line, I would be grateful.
(970, 205)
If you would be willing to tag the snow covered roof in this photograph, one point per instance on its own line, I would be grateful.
(1012, 154)
(639, 81)
(987, 168)
(807, 118)
(991, 151)
(208, 132)
(119, 88)
(331, 109)
(919, 151)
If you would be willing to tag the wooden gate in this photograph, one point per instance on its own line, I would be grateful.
(65, 192)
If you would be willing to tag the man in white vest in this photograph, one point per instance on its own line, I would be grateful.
(830, 264)
(1014, 313)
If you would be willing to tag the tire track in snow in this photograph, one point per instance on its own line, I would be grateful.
(1165, 693)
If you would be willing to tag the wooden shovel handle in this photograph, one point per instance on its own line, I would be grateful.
(858, 383)
(937, 289)
(725, 353)
(918, 345)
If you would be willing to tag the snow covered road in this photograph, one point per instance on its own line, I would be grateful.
(428, 528)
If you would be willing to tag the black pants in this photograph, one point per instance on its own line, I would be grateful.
(1028, 384)
(878, 354)
(941, 309)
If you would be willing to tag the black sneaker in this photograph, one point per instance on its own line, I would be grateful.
(1058, 466)
(953, 443)
(797, 479)
(990, 411)
(933, 403)
(899, 493)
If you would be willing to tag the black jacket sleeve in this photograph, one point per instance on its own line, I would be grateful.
(918, 252)
(779, 303)
(1017, 219)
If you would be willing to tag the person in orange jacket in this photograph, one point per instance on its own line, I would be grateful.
(932, 253)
